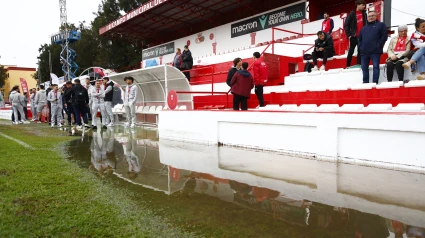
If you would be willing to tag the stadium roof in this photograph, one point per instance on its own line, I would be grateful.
(161, 21)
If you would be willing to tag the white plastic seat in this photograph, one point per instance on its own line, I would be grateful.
(158, 109)
(145, 109)
(271, 106)
(378, 108)
(139, 109)
(351, 108)
(151, 110)
(384, 85)
(415, 83)
(409, 107)
(306, 107)
(327, 108)
(288, 107)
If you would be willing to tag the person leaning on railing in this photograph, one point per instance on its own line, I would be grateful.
(398, 49)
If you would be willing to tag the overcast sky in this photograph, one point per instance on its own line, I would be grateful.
(26, 24)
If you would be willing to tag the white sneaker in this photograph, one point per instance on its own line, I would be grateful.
(59, 125)
(315, 69)
(15, 123)
(126, 124)
(21, 122)
(110, 124)
(322, 68)
(132, 126)
(53, 125)
(26, 122)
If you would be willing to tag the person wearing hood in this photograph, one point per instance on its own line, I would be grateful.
(40, 101)
(241, 83)
(55, 99)
(372, 39)
(17, 101)
(323, 48)
(237, 65)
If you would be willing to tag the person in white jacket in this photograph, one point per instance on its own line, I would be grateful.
(17, 101)
(130, 96)
(55, 99)
(40, 101)
(98, 103)
(33, 105)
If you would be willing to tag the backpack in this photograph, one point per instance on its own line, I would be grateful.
(80, 96)
(308, 67)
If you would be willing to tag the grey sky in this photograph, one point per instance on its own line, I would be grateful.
(26, 24)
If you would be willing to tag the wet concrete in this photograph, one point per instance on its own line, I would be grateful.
(319, 199)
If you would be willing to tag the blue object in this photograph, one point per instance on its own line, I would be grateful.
(67, 63)
(151, 63)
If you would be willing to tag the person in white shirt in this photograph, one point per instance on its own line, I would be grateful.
(130, 96)
(33, 105)
(88, 86)
(98, 103)
(16, 100)
(55, 99)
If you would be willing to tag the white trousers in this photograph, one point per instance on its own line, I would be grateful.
(130, 112)
(109, 115)
(97, 106)
(56, 113)
(17, 107)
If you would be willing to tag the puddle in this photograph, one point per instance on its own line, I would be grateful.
(255, 193)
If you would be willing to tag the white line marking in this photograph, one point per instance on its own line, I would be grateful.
(17, 141)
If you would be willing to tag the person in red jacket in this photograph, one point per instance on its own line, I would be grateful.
(260, 76)
(327, 24)
(242, 83)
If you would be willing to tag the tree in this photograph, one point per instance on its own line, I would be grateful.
(3, 76)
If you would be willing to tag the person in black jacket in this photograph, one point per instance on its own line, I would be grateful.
(371, 43)
(187, 61)
(237, 65)
(352, 26)
(323, 48)
(80, 100)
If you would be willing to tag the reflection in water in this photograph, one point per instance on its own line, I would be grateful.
(367, 202)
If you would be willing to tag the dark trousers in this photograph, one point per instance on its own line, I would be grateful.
(365, 67)
(325, 54)
(353, 44)
(240, 100)
(26, 112)
(187, 74)
(78, 111)
(69, 111)
(49, 105)
(398, 66)
(259, 93)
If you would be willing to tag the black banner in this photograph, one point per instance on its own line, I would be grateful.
(269, 20)
(158, 51)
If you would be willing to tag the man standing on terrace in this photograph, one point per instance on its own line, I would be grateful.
(371, 43)
(352, 26)
(328, 24)
(260, 77)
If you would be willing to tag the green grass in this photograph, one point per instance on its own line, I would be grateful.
(43, 195)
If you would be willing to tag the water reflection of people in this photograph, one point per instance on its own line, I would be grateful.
(99, 160)
(370, 226)
(132, 159)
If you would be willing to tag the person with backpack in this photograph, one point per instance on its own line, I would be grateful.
(237, 65)
(260, 77)
(80, 100)
(323, 48)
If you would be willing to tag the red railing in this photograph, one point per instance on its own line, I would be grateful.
(212, 74)
(206, 92)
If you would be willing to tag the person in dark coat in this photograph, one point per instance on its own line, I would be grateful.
(242, 83)
(371, 43)
(187, 61)
(237, 65)
(80, 100)
(323, 48)
(355, 21)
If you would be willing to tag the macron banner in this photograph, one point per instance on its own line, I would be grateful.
(276, 18)
(24, 85)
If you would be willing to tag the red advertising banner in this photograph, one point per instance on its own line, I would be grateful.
(143, 8)
(24, 85)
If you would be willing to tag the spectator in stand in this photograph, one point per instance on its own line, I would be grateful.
(328, 24)
(418, 41)
(371, 43)
(187, 61)
(260, 77)
(241, 83)
(397, 51)
(323, 48)
(352, 26)
(237, 65)
(178, 59)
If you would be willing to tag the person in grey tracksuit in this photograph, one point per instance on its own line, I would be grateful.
(55, 99)
(17, 102)
(98, 103)
(33, 105)
(109, 94)
(130, 96)
(89, 90)
(40, 101)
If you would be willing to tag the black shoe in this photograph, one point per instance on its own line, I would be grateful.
(104, 127)
(94, 127)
